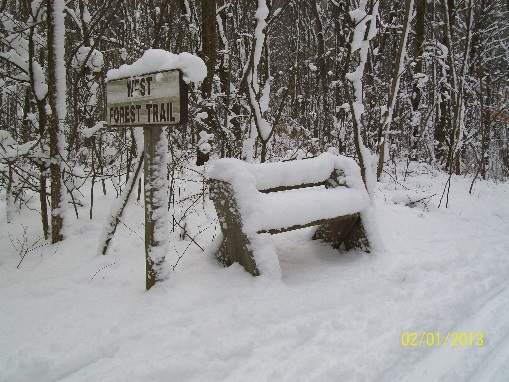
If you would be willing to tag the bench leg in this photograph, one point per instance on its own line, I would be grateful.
(222, 254)
(348, 230)
(235, 246)
(235, 249)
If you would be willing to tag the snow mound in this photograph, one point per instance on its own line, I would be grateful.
(157, 60)
(95, 59)
(270, 175)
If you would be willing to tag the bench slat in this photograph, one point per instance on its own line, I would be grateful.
(299, 207)
(297, 187)
(313, 223)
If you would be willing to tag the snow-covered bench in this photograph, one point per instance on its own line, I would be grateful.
(255, 200)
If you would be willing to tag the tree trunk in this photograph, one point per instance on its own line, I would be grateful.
(42, 122)
(356, 101)
(209, 44)
(115, 216)
(209, 55)
(393, 94)
(56, 93)
(420, 15)
(322, 121)
(8, 194)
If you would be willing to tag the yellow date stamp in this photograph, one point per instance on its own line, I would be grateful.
(437, 339)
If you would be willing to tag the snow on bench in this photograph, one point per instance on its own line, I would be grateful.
(255, 200)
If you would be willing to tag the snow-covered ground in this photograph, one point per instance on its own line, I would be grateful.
(70, 314)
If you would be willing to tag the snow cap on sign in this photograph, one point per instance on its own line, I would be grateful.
(157, 60)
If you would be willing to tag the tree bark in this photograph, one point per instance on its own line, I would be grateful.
(420, 15)
(209, 44)
(322, 125)
(42, 122)
(209, 55)
(54, 121)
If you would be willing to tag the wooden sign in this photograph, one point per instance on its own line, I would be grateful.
(147, 100)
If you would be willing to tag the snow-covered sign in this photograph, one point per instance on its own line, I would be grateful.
(158, 98)
(152, 92)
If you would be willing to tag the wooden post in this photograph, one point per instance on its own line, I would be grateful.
(154, 171)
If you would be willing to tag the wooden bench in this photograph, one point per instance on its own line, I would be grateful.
(253, 201)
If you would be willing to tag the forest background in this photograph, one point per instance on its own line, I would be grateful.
(387, 82)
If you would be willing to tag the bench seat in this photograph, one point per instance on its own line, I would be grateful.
(281, 211)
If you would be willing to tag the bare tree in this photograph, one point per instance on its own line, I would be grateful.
(393, 92)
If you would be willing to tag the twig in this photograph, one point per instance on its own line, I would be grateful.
(106, 266)
(191, 238)
(23, 247)
(193, 241)
(446, 187)
(130, 229)
(395, 180)
(414, 202)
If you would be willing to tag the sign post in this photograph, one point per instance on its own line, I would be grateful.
(152, 170)
(152, 101)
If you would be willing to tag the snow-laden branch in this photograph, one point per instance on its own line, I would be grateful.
(360, 43)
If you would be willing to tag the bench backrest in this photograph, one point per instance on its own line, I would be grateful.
(279, 176)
